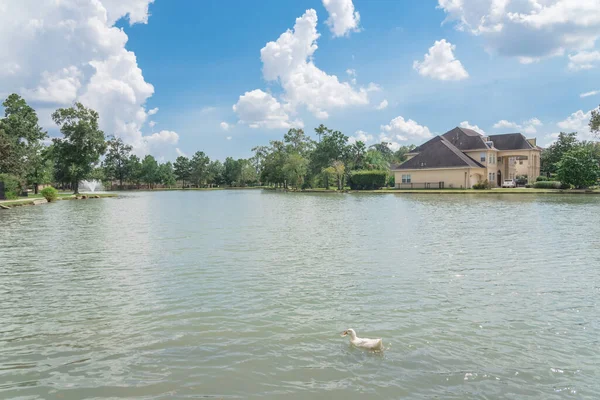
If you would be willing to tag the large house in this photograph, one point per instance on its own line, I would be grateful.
(462, 157)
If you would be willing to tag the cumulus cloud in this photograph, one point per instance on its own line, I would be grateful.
(588, 94)
(528, 29)
(225, 126)
(528, 127)
(467, 125)
(584, 60)
(441, 64)
(156, 142)
(391, 143)
(289, 61)
(57, 52)
(153, 111)
(343, 19)
(383, 105)
(578, 122)
(151, 124)
(404, 130)
(180, 153)
(360, 136)
(261, 110)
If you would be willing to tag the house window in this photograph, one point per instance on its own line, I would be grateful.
(520, 162)
(482, 157)
(406, 178)
(490, 178)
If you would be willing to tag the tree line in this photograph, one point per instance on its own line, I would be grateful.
(296, 161)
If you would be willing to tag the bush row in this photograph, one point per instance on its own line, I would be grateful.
(482, 185)
(367, 180)
(550, 185)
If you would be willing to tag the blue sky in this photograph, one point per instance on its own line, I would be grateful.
(522, 69)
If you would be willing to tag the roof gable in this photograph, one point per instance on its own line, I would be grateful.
(511, 141)
(439, 153)
(465, 139)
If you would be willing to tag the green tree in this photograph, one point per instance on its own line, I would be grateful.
(231, 171)
(322, 130)
(375, 160)
(20, 136)
(272, 166)
(400, 154)
(247, 172)
(199, 168)
(149, 172)
(339, 168)
(555, 152)
(166, 175)
(215, 173)
(295, 169)
(134, 166)
(332, 147)
(297, 142)
(578, 168)
(183, 169)
(40, 166)
(357, 153)
(116, 165)
(82, 144)
(595, 122)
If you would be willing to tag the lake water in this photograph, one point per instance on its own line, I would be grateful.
(244, 294)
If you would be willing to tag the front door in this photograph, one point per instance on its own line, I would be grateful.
(499, 179)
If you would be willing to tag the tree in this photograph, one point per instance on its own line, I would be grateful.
(215, 172)
(322, 130)
(247, 173)
(149, 171)
(555, 152)
(295, 169)
(199, 168)
(357, 155)
(595, 122)
(39, 163)
(272, 166)
(339, 169)
(231, 171)
(333, 147)
(166, 175)
(115, 163)
(578, 168)
(20, 136)
(134, 166)
(82, 144)
(183, 169)
(384, 149)
(297, 142)
(375, 160)
(400, 154)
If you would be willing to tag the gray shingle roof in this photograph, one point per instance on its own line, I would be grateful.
(465, 139)
(511, 141)
(438, 153)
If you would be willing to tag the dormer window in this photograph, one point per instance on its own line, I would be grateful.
(482, 157)
(490, 144)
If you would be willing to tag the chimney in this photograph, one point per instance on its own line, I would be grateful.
(532, 142)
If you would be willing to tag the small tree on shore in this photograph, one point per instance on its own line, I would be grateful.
(578, 168)
(82, 144)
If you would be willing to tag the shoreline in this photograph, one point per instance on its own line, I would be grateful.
(8, 204)
(446, 191)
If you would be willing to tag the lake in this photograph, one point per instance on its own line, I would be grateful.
(244, 293)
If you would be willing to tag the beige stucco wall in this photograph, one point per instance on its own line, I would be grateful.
(452, 177)
(530, 167)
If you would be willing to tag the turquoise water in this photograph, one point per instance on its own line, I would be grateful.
(244, 294)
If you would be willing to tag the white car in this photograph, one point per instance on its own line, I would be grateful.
(508, 183)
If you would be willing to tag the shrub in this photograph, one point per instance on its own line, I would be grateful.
(550, 185)
(542, 178)
(482, 185)
(50, 194)
(528, 185)
(12, 186)
(367, 180)
(521, 180)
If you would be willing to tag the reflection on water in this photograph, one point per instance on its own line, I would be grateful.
(239, 294)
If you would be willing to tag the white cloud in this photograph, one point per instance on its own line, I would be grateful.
(156, 142)
(57, 52)
(351, 72)
(528, 127)
(289, 61)
(60, 87)
(360, 136)
(576, 122)
(393, 145)
(467, 125)
(528, 29)
(261, 110)
(208, 110)
(151, 124)
(383, 105)
(153, 111)
(441, 64)
(584, 60)
(342, 17)
(404, 130)
(228, 138)
(180, 153)
(225, 126)
(588, 94)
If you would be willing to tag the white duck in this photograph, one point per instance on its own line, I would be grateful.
(370, 344)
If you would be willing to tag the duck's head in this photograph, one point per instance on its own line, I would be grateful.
(349, 332)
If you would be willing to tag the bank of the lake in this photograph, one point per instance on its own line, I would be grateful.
(39, 199)
(518, 191)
